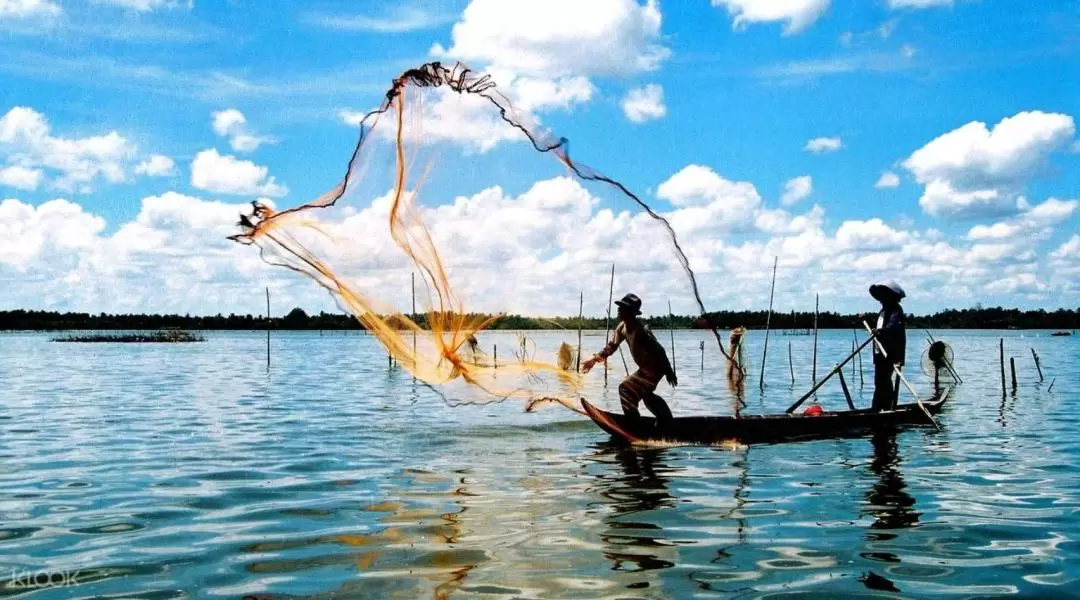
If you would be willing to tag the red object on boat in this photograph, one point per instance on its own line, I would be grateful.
(814, 410)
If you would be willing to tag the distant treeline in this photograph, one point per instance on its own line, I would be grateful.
(297, 319)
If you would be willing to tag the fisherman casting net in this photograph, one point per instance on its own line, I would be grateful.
(340, 238)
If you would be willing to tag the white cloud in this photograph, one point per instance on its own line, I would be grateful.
(27, 9)
(823, 144)
(156, 166)
(796, 189)
(644, 103)
(27, 232)
(1034, 223)
(213, 172)
(536, 37)
(27, 142)
(797, 14)
(888, 179)
(232, 124)
(895, 4)
(976, 171)
(147, 5)
(908, 51)
(21, 178)
(173, 257)
(401, 20)
(531, 94)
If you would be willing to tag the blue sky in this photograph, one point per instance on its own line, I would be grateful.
(736, 88)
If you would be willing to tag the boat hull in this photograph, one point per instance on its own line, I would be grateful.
(756, 429)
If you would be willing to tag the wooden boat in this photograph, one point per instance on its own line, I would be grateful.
(1061, 333)
(762, 428)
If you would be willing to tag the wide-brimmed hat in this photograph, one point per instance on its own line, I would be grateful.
(631, 302)
(889, 290)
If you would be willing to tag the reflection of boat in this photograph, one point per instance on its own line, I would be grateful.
(762, 428)
(1061, 333)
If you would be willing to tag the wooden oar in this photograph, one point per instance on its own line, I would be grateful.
(826, 377)
(901, 376)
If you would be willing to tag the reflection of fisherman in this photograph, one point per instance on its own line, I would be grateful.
(891, 333)
(650, 357)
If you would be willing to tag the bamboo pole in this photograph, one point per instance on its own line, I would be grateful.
(843, 386)
(268, 328)
(814, 368)
(1037, 366)
(1012, 368)
(1001, 362)
(495, 356)
(818, 385)
(896, 370)
(671, 329)
(607, 321)
(702, 356)
(858, 359)
(853, 362)
(581, 308)
(1051, 388)
(790, 364)
(768, 319)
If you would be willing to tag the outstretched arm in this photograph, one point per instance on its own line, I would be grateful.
(608, 350)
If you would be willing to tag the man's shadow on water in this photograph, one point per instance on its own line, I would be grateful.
(889, 503)
(633, 541)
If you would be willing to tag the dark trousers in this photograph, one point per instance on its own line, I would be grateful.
(640, 387)
(885, 390)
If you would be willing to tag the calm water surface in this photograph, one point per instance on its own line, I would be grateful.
(185, 471)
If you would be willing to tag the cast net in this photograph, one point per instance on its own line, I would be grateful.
(339, 239)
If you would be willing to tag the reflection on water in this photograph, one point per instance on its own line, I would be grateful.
(158, 472)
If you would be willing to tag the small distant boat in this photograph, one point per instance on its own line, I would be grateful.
(1061, 333)
(762, 428)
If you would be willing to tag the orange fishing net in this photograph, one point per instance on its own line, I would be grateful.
(321, 239)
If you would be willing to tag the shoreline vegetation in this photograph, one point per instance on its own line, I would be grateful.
(298, 320)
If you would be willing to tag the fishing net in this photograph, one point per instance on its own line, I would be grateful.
(339, 239)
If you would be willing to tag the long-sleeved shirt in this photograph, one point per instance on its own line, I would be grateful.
(645, 349)
(892, 334)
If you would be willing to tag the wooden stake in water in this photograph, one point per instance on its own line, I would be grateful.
(1001, 362)
(1037, 366)
(768, 319)
(702, 356)
(495, 356)
(671, 330)
(267, 328)
(1012, 368)
(814, 367)
(790, 364)
(607, 321)
(581, 308)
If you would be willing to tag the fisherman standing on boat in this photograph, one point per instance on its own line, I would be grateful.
(651, 359)
(891, 333)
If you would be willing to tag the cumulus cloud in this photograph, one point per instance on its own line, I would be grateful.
(823, 144)
(215, 173)
(156, 165)
(796, 189)
(796, 14)
(888, 179)
(977, 171)
(644, 103)
(1033, 223)
(536, 37)
(232, 124)
(26, 141)
(28, 9)
(555, 234)
(21, 178)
